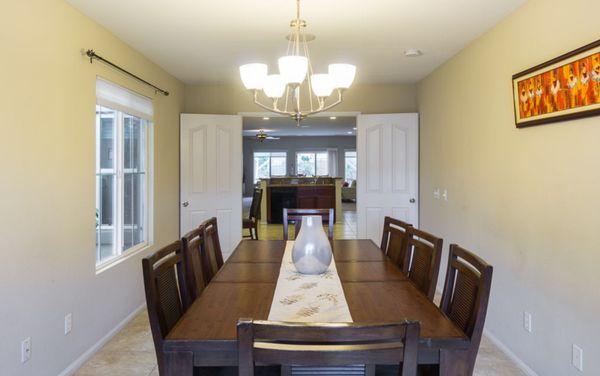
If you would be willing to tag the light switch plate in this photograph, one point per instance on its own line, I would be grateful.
(527, 321)
(577, 357)
(26, 350)
(436, 193)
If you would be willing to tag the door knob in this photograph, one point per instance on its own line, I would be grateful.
(412, 200)
(185, 204)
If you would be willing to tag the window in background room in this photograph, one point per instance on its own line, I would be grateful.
(350, 166)
(312, 163)
(123, 129)
(267, 164)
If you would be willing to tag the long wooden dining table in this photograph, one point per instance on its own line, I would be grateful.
(375, 289)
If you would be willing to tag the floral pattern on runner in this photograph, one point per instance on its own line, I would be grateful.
(308, 298)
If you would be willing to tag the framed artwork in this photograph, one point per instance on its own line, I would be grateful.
(564, 88)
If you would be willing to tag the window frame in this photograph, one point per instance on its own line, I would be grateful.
(355, 157)
(119, 171)
(315, 152)
(270, 152)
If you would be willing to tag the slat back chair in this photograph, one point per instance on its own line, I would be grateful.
(466, 295)
(331, 344)
(423, 259)
(295, 216)
(251, 223)
(214, 256)
(196, 262)
(394, 241)
(166, 293)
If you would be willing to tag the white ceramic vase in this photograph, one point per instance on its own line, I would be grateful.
(312, 251)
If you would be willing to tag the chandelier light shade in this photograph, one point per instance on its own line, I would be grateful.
(322, 85)
(293, 69)
(253, 75)
(296, 91)
(274, 86)
(342, 75)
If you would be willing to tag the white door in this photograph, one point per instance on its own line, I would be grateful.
(388, 171)
(211, 175)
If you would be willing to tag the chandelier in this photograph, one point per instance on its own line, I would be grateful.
(296, 91)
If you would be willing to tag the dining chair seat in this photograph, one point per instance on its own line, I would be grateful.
(295, 216)
(424, 252)
(465, 299)
(327, 345)
(166, 293)
(394, 241)
(251, 223)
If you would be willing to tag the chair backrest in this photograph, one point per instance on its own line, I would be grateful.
(394, 241)
(424, 254)
(214, 256)
(331, 344)
(295, 216)
(466, 294)
(196, 262)
(166, 292)
(255, 205)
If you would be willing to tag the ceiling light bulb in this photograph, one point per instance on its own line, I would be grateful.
(293, 69)
(321, 85)
(253, 75)
(274, 86)
(342, 75)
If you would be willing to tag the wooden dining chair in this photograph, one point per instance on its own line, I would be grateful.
(332, 344)
(212, 246)
(166, 293)
(394, 241)
(424, 252)
(251, 223)
(295, 216)
(195, 261)
(465, 298)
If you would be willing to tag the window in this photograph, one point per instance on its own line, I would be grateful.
(122, 175)
(350, 166)
(312, 163)
(267, 164)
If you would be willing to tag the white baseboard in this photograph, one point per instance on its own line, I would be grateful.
(70, 370)
(521, 364)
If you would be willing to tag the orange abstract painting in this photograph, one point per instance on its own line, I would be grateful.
(564, 88)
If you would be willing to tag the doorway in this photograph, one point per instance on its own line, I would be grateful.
(321, 152)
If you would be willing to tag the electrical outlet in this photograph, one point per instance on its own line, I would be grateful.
(445, 195)
(527, 321)
(26, 349)
(436, 193)
(577, 357)
(68, 323)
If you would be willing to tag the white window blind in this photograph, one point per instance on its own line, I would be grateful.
(117, 97)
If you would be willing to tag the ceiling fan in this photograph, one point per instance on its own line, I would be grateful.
(261, 136)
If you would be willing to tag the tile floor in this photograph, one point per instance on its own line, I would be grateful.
(131, 351)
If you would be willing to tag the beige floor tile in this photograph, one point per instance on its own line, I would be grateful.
(119, 363)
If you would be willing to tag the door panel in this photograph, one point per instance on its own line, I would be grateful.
(388, 164)
(211, 174)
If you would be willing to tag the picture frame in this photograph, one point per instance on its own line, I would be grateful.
(564, 88)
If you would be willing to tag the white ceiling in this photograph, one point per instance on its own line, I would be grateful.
(311, 126)
(201, 41)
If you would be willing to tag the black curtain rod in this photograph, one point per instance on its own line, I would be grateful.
(92, 55)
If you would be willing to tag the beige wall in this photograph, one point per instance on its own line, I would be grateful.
(526, 200)
(231, 99)
(47, 187)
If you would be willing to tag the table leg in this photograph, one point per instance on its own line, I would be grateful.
(179, 363)
(455, 363)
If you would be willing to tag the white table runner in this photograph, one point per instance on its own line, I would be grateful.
(308, 298)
